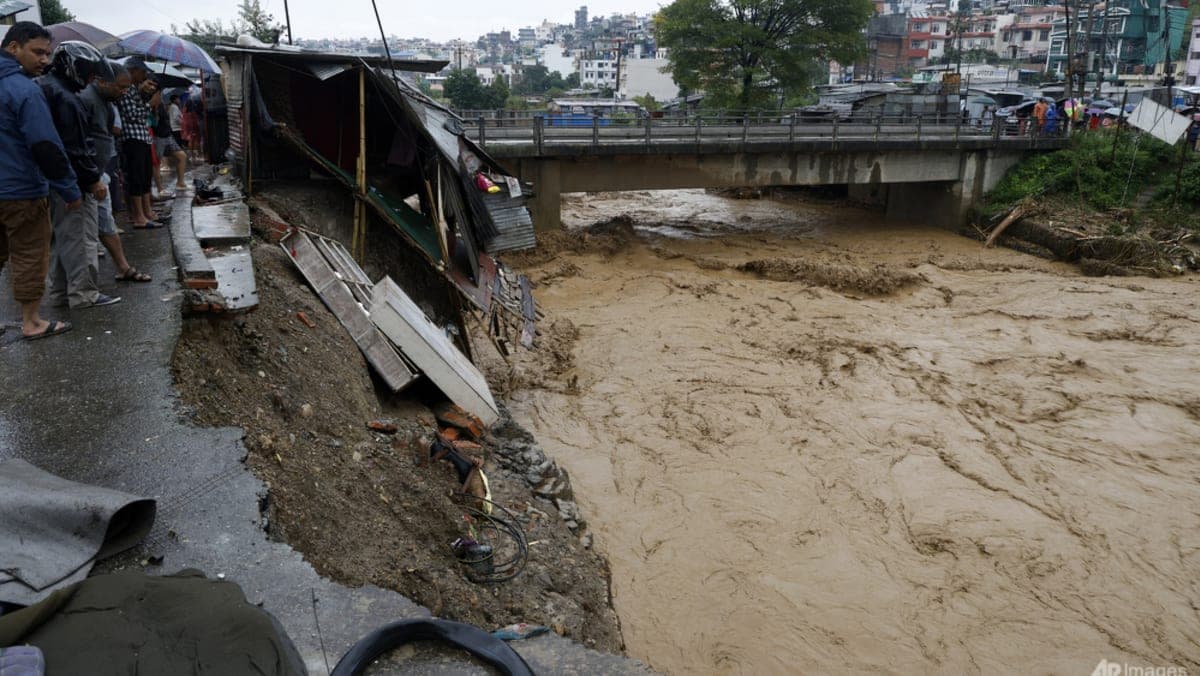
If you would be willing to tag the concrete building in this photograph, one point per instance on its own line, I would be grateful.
(640, 77)
(886, 39)
(556, 58)
(581, 18)
(926, 38)
(598, 72)
(1027, 38)
(1135, 43)
(1192, 70)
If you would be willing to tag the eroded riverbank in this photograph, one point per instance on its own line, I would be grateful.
(989, 465)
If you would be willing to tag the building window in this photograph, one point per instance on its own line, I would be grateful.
(917, 44)
(935, 44)
(1045, 35)
(1026, 36)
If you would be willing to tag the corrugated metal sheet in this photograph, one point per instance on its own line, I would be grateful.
(9, 7)
(512, 221)
(234, 80)
(324, 70)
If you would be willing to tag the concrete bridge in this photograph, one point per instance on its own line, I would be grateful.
(924, 170)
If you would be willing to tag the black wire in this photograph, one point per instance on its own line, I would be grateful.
(508, 569)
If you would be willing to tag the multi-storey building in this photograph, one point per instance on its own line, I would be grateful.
(1136, 42)
(1192, 70)
(926, 38)
(1027, 38)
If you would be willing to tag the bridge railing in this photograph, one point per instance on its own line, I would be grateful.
(545, 131)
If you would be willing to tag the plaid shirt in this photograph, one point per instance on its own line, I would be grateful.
(135, 116)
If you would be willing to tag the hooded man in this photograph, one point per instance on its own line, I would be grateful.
(32, 161)
(73, 268)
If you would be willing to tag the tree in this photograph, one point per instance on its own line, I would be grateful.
(751, 54)
(465, 91)
(258, 22)
(648, 102)
(53, 12)
(498, 93)
(252, 20)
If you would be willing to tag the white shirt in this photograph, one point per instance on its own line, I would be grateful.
(176, 116)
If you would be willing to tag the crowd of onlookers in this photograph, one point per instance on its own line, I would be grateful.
(82, 138)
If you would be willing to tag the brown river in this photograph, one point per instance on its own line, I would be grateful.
(810, 441)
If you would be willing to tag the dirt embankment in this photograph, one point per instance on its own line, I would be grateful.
(365, 507)
(991, 469)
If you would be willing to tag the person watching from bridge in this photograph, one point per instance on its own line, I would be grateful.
(32, 161)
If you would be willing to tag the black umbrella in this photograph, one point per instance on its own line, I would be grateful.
(84, 32)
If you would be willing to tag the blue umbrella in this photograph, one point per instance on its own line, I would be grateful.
(168, 48)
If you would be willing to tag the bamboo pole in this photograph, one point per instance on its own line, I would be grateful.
(360, 222)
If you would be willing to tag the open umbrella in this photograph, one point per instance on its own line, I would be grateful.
(168, 48)
(84, 32)
(983, 101)
(164, 74)
(1114, 111)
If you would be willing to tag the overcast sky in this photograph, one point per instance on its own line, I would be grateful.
(435, 19)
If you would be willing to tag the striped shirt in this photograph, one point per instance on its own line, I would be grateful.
(135, 115)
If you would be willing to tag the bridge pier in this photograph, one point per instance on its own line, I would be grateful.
(947, 203)
(546, 205)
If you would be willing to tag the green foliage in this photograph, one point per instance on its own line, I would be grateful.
(53, 12)
(537, 81)
(749, 54)
(252, 20)
(498, 93)
(648, 102)
(1088, 171)
(466, 92)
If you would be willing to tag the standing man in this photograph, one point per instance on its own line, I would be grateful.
(32, 160)
(73, 269)
(101, 122)
(135, 144)
(170, 154)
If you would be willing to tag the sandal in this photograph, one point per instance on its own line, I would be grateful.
(53, 328)
(148, 225)
(132, 274)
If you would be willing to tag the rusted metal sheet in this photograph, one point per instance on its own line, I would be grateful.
(337, 296)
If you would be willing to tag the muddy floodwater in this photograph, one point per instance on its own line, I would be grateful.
(810, 441)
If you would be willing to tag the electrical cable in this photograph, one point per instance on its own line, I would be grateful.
(506, 525)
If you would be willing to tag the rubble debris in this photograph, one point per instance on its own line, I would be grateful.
(336, 294)
(454, 415)
(383, 426)
(431, 350)
(219, 224)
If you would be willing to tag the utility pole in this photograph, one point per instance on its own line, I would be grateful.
(1102, 70)
(287, 17)
(1069, 51)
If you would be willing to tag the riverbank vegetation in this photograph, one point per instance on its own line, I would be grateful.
(1120, 203)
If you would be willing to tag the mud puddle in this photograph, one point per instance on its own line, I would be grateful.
(989, 465)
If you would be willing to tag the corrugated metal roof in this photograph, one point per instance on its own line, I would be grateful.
(325, 70)
(513, 222)
(291, 53)
(10, 7)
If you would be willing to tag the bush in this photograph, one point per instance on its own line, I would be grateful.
(1087, 170)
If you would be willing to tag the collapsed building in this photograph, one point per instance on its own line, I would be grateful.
(430, 208)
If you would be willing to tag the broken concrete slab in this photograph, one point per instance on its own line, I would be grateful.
(428, 347)
(221, 223)
(235, 279)
(194, 269)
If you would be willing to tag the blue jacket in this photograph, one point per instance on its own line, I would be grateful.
(32, 158)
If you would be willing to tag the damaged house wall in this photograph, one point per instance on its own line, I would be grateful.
(325, 114)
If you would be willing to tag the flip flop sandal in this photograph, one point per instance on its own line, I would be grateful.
(132, 274)
(148, 225)
(52, 329)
